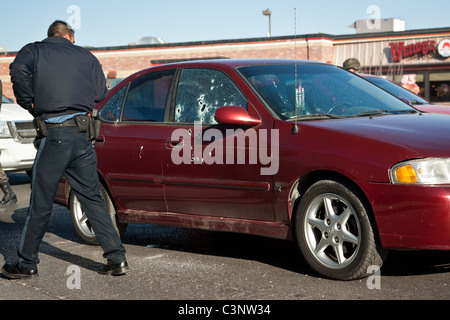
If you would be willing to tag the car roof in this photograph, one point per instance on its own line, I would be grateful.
(219, 63)
(240, 62)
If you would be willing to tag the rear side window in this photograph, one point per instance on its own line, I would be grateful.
(112, 109)
(201, 92)
(147, 97)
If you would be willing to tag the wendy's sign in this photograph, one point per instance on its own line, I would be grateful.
(444, 48)
(399, 50)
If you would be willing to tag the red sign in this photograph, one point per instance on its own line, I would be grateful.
(400, 51)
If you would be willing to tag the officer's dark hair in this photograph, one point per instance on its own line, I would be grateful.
(59, 28)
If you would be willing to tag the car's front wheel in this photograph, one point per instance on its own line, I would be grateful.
(334, 231)
(81, 223)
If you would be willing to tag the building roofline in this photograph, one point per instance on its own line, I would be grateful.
(213, 42)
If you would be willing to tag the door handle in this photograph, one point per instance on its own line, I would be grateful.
(100, 139)
(174, 143)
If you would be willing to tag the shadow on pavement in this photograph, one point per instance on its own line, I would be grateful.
(278, 253)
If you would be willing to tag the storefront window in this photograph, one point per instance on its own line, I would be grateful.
(440, 87)
(420, 81)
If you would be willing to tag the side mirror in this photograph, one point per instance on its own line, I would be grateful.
(235, 116)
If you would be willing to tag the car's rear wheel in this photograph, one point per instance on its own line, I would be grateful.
(334, 231)
(81, 223)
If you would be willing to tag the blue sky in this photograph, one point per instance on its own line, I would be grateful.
(102, 23)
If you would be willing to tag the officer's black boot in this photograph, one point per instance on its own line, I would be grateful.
(10, 197)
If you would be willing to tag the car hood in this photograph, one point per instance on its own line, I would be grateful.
(14, 112)
(435, 108)
(410, 135)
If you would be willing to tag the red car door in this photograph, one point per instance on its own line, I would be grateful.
(211, 169)
(130, 154)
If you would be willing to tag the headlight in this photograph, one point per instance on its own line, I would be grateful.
(4, 130)
(423, 171)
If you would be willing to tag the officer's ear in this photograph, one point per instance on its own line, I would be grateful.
(69, 37)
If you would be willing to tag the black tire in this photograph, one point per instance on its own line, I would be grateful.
(334, 232)
(81, 223)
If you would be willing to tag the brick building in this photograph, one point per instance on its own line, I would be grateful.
(419, 56)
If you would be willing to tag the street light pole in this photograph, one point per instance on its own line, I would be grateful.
(268, 13)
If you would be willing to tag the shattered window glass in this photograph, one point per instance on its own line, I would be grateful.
(111, 110)
(201, 92)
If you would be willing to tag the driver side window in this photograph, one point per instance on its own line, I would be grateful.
(201, 92)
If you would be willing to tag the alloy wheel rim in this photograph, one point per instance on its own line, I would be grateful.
(82, 220)
(332, 231)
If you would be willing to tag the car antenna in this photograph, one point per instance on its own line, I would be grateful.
(295, 129)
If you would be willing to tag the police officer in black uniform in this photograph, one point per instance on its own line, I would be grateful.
(59, 83)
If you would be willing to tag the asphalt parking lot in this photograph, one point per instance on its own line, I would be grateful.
(180, 265)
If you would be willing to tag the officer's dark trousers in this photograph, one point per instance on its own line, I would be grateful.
(65, 150)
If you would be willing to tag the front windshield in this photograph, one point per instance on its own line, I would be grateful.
(319, 90)
(397, 90)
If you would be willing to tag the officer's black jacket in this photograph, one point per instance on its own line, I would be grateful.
(58, 77)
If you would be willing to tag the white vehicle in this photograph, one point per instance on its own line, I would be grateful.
(17, 133)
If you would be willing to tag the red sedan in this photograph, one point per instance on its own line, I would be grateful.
(292, 150)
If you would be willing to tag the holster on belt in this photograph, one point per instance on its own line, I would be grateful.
(96, 123)
(40, 126)
(89, 124)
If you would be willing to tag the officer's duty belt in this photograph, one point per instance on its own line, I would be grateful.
(67, 123)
